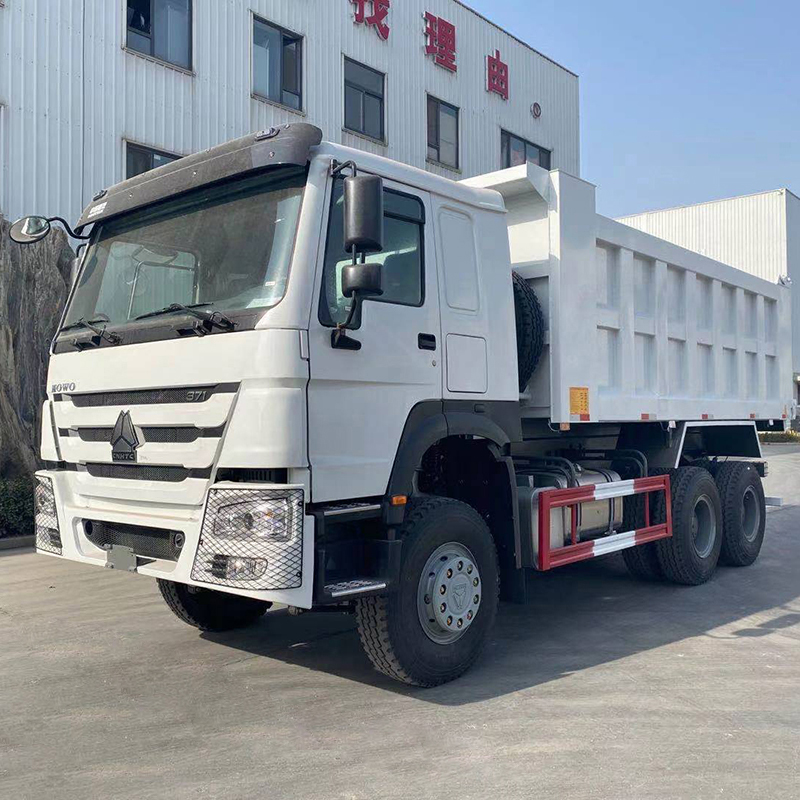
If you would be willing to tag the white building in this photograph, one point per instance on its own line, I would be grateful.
(758, 233)
(93, 91)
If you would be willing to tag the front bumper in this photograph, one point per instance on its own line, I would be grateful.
(288, 561)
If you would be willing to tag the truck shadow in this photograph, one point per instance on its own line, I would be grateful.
(577, 618)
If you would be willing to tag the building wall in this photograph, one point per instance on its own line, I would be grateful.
(72, 94)
(758, 233)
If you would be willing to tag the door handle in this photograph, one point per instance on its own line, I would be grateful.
(426, 341)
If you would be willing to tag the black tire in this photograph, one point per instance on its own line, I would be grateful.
(688, 558)
(642, 561)
(389, 625)
(744, 513)
(530, 329)
(210, 610)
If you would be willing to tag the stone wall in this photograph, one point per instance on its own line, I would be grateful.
(33, 287)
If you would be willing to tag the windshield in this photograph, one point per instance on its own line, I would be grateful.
(226, 247)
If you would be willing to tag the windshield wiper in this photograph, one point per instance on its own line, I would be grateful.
(213, 319)
(91, 325)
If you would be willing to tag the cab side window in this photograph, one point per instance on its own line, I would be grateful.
(402, 258)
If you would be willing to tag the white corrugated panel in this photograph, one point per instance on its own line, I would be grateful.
(74, 94)
(41, 90)
(745, 232)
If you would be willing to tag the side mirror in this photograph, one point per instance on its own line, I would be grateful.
(29, 230)
(362, 280)
(363, 214)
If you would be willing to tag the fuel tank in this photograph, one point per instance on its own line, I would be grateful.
(594, 518)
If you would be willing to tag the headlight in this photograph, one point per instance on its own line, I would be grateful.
(252, 538)
(48, 536)
(255, 519)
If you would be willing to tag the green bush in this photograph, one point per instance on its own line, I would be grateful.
(16, 507)
(779, 437)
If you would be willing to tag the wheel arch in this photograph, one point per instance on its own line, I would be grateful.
(460, 449)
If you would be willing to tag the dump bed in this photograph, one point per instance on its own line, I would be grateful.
(639, 329)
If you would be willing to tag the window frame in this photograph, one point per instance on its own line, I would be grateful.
(150, 150)
(151, 55)
(439, 103)
(323, 312)
(284, 32)
(382, 98)
(504, 134)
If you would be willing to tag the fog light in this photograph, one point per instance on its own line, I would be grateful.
(238, 568)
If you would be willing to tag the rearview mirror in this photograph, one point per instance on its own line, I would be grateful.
(362, 280)
(29, 230)
(363, 214)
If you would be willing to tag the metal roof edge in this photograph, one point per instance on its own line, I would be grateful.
(515, 38)
(704, 203)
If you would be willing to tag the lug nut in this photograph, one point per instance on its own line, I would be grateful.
(474, 581)
(476, 599)
(459, 623)
(427, 599)
(469, 615)
(469, 570)
(449, 573)
(442, 589)
(443, 607)
(460, 565)
(449, 620)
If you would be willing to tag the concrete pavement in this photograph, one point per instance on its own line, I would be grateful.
(601, 688)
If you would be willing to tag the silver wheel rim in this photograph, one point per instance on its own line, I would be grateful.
(449, 593)
(704, 526)
(751, 514)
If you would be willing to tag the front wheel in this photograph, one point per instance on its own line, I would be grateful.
(210, 610)
(434, 625)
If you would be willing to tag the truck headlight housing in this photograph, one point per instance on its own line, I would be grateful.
(48, 535)
(252, 539)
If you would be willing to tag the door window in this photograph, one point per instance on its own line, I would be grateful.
(402, 258)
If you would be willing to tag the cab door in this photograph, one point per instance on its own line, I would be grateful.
(359, 400)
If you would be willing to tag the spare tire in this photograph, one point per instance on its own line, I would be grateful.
(530, 329)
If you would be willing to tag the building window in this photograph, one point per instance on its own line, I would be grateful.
(363, 99)
(402, 257)
(162, 29)
(442, 132)
(277, 64)
(139, 159)
(516, 151)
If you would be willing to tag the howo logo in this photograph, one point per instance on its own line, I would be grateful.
(124, 440)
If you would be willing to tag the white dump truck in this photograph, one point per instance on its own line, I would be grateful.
(291, 372)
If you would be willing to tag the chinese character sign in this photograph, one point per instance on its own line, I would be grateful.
(441, 36)
(377, 19)
(497, 75)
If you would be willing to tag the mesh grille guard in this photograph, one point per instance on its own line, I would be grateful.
(284, 559)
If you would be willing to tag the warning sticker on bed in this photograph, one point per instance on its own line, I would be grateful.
(579, 401)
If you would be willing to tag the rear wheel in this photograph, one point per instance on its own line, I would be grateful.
(434, 625)
(210, 610)
(690, 556)
(743, 513)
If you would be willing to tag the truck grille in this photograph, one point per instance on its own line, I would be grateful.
(146, 472)
(157, 435)
(147, 542)
(141, 397)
